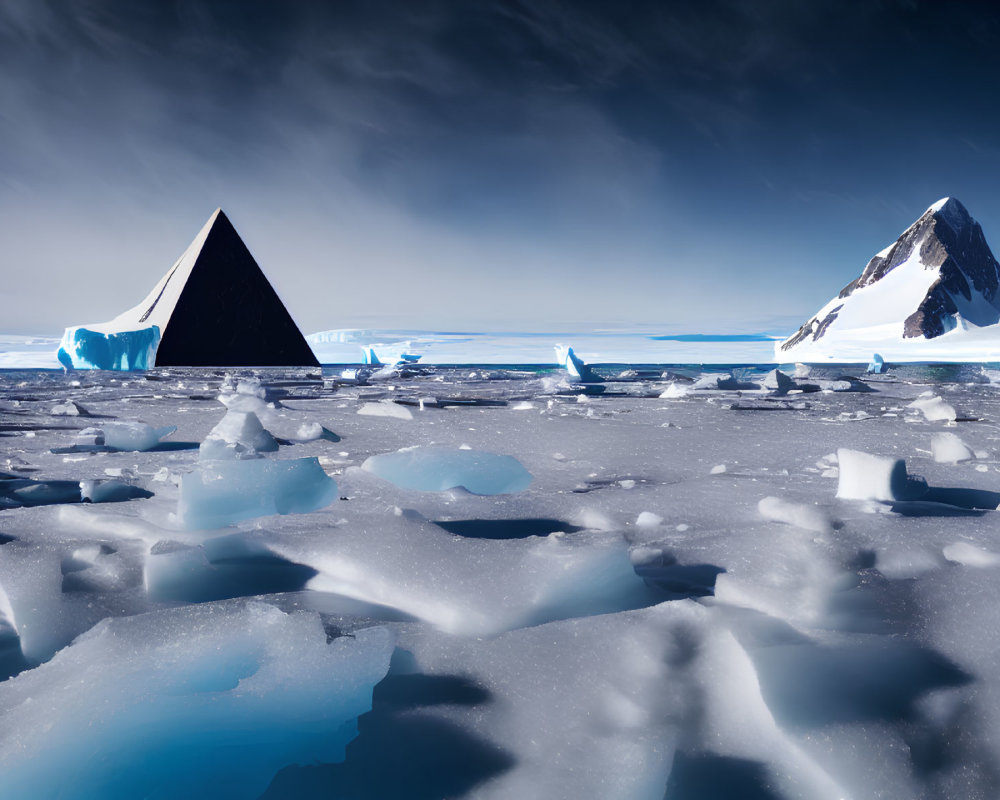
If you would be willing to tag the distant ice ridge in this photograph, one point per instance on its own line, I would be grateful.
(639, 344)
(934, 294)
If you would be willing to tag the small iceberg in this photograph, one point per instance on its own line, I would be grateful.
(575, 366)
(877, 365)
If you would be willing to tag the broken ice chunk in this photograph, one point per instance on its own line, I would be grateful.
(125, 436)
(877, 365)
(309, 431)
(70, 409)
(675, 390)
(218, 493)
(949, 449)
(868, 477)
(110, 492)
(647, 519)
(969, 555)
(778, 382)
(576, 368)
(435, 469)
(934, 408)
(385, 408)
(238, 435)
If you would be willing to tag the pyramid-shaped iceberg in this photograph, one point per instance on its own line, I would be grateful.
(214, 307)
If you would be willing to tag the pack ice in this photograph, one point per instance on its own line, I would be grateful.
(682, 585)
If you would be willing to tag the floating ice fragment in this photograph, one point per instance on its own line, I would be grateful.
(675, 390)
(435, 469)
(801, 515)
(949, 449)
(239, 434)
(575, 366)
(218, 493)
(647, 519)
(110, 492)
(125, 436)
(308, 432)
(777, 382)
(864, 476)
(877, 365)
(385, 408)
(70, 409)
(718, 469)
(19, 492)
(224, 695)
(970, 555)
(934, 408)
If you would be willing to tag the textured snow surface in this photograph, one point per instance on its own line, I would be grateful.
(763, 587)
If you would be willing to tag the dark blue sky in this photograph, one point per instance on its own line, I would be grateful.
(702, 166)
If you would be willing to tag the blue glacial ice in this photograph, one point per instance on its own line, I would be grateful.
(198, 702)
(876, 365)
(575, 365)
(435, 469)
(219, 493)
(82, 348)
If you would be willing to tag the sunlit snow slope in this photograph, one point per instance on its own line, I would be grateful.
(934, 294)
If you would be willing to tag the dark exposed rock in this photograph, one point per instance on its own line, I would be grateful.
(228, 314)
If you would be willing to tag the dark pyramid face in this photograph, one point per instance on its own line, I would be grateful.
(228, 315)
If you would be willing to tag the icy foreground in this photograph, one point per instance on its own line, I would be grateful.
(671, 584)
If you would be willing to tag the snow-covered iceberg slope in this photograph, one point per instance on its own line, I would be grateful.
(214, 307)
(934, 294)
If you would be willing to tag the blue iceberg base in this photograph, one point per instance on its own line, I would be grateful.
(124, 351)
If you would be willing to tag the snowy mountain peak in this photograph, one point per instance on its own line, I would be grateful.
(939, 275)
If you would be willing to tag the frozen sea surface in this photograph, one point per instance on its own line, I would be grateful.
(688, 598)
